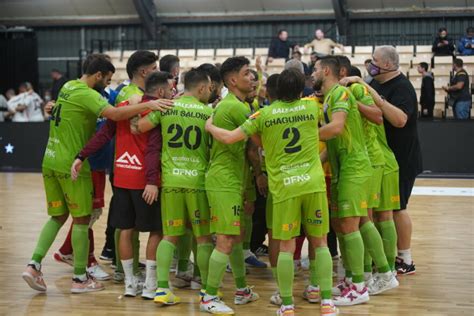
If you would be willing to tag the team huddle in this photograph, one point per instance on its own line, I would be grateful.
(184, 163)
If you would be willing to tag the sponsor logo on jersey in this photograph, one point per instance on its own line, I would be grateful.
(345, 206)
(363, 204)
(175, 223)
(54, 204)
(214, 219)
(255, 115)
(344, 96)
(318, 214)
(128, 161)
(185, 172)
(296, 179)
(289, 227)
(395, 198)
(236, 223)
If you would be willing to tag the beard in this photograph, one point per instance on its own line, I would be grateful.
(317, 85)
(214, 96)
(100, 86)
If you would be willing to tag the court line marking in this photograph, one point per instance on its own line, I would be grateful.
(443, 191)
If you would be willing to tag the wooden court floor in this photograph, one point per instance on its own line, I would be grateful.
(443, 249)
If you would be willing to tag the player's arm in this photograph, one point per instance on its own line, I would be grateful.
(372, 113)
(335, 127)
(126, 112)
(254, 158)
(224, 136)
(152, 166)
(393, 114)
(324, 156)
(146, 123)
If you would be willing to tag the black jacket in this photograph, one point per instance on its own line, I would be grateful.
(445, 50)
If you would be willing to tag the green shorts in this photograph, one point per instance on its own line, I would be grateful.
(180, 206)
(226, 212)
(349, 197)
(66, 196)
(389, 195)
(375, 187)
(269, 211)
(309, 210)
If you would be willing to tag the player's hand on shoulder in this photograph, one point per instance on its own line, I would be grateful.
(348, 80)
(134, 99)
(162, 105)
(209, 123)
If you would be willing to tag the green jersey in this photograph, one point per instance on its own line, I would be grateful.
(362, 95)
(185, 152)
(228, 162)
(290, 138)
(72, 124)
(347, 152)
(127, 92)
(391, 164)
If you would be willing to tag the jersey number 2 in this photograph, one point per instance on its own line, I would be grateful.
(291, 147)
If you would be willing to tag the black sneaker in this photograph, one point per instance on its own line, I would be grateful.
(261, 251)
(403, 268)
(107, 254)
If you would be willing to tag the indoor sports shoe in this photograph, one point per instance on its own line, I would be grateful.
(196, 283)
(182, 279)
(214, 305)
(382, 282)
(245, 296)
(148, 293)
(312, 294)
(98, 273)
(350, 296)
(67, 259)
(34, 278)
(107, 254)
(328, 308)
(132, 287)
(165, 297)
(286, 310)
(403, 268)
(89, 285)
(118, 277)
(252, 261)
(261, 251)
(275, 299)
(202, 293)
(340, 286)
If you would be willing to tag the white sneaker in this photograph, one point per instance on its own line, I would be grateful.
(98, 273)
(340, 286)
(148, 293)
(141, 277)
(118, 277)
(312, 294)
(132, 287)
(382, 283)
(215, 306)
(275, 299)
(305, 264)
(286, 310)
(245, 296)
(196, 283)
(89, 285)
(183, 279)
(328, 308)
(350, 296)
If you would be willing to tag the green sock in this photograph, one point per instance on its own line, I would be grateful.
(275, 274)
(80, 247)
(237, 264)
(389, 239)
(345, 262)
(136, 251)
(46, 238)
(184, 250)
(323, 271)
(373, 243)
(286, 273)
(164, 256)
(118, 262)
(313, 279)
(248, 231)
(355, 255)
(203, 255)
(217, 264)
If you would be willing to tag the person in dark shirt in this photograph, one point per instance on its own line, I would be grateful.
(427, 98)
(280, 46)
(395, 96)
(459, 90)
(443, 45)
(58, 81)
(297, 55)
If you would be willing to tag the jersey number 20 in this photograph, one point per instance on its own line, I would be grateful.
(175, 142)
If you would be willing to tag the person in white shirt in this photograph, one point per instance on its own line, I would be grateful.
(27, 105)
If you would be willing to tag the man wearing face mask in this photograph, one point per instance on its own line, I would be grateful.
(396, 97)
(442, 45)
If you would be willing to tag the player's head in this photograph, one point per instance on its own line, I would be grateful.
(290, 85)
(319, 34)
(253, 94)
(457, 64)
(326, 67)
(236, 74)
(272, 88)
(216, 80)
(141, 63)
(170, 63)
(22, 87)
(442, 32)
(10, 93)
(470, 32)
(355, 72)
(384, 60)
(100, 70)
(422, 67)
(198, 84)
(283, 34)
(344, 65)
(159, 84)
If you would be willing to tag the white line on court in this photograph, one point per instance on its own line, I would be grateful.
(443, 191)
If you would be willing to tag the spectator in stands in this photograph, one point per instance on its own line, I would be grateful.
(170, 63)
(313, 59)
(280, 47)
(298, 65)
(58, 80)
(427, 97)
(3, 108)
(368, 78)
(322, 45)
(459, 91)
(443, 45)
(297, 55)
(26, 106)
(466, 44)
(10, 93)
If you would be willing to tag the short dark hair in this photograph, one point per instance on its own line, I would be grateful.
(458, 62)
(441, 29)
(291, 84)
(272, 86)
(470, 29)
(156, 79)
(297, 52)
(56, 70)
(91, 57)
(194, 77)
(367, 61)
(332, 63)
(212, 71)
(255, 74)
(344, 62)
(281, 31)
(424, 65)
(355, 72)
(168, 62)
(98, 62)
(233, 64)
(139, 59)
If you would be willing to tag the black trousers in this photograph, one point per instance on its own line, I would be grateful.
(259, 227)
